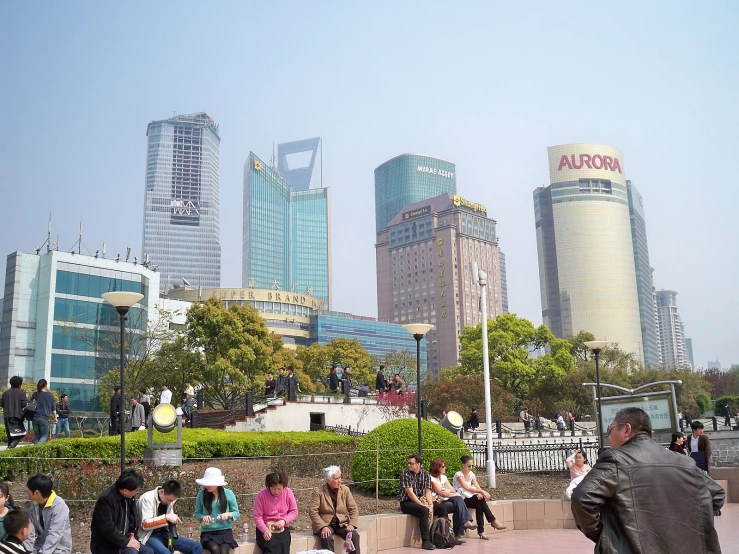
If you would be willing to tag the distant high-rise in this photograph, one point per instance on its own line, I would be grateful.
(286, 234)
(181, 202)
(423, 274)
(587, 272)
(671, 331)
(689, 351)
(296, 163)
(644, 284)
(407, 179)
(503, 283)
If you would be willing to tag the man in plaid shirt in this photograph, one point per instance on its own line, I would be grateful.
(415, 497)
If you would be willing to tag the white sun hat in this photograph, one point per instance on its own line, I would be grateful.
(212, 478)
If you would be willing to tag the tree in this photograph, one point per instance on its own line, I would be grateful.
(317, 360)
(236, 349)
(512, 341)
(463, 393)
(402, 362)
(722, 383)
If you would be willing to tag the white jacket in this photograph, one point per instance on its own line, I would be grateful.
(148, 506)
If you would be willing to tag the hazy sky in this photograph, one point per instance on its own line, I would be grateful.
(487, 85)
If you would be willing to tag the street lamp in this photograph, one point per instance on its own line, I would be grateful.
(122, 302)
(596, 346)
(418, 330)
(479, 277)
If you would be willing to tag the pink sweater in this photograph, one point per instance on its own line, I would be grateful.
(272, 508)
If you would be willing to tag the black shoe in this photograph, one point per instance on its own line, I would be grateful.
(458, 541)
(428, 545)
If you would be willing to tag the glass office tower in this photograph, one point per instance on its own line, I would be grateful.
(56, 326)
(644, 283)
(407, 179)
(181, 203)
(584, 240)
(286, 234)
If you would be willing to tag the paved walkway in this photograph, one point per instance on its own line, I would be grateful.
(571, 541)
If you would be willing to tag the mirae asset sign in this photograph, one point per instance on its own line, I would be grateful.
(434, 171)
(596, 161)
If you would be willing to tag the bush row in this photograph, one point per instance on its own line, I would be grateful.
(196, 444)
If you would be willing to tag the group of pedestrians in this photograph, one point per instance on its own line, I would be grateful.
(41, 410)
(141, 406)
(276, 387)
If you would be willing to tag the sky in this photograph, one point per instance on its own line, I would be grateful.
(486, 85)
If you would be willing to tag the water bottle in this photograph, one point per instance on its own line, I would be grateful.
(245, 532)
(189, 531)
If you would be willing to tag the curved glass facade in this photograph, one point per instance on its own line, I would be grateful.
(408, 179)
(584, 241)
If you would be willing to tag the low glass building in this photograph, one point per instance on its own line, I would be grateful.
(56, 326)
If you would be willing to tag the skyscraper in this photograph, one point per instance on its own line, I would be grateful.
(423, 275)
(671, 331)
(407, 179)
(286, 234)
(181, 202)
(644, 283)
(292, 166)
(584, 241)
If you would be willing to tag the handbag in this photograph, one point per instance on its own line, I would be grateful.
(30, 409)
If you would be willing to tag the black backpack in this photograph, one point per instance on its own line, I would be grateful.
(441, 533)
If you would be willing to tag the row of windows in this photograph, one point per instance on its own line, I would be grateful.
(81, 367)
(91, 340)
(94, 313)
(94, 286)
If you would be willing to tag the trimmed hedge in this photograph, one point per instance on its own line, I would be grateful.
(398, 439)
(196, 443)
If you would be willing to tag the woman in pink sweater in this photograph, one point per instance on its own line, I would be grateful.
(274, 509)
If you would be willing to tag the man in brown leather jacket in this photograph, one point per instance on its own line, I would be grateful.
(640, 498)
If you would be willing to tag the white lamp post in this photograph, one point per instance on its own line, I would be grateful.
(479, 277)
(122, 302)
(596, 346)
(418, 330)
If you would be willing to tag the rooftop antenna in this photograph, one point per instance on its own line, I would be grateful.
(103, 253)
(79, 242)
(273, 160)
(128, 252)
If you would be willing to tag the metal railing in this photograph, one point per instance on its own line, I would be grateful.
(531, 458)
(337, 429)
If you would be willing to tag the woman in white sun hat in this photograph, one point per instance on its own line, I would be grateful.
(216, 509)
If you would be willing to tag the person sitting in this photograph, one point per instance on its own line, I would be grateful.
(577, 463)
(49, 517)
(446, 500)
(560, 421)
(17, 527)
(415, 497)
(333, 510)
(156, 515)
(216, 509)
(274, 509)
(475, 497)
(398, 385)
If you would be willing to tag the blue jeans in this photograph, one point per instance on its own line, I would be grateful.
(143, 549)
(158, 543)
(40, 430)
(62, 426)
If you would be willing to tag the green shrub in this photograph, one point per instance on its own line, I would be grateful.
(196, 444)
(398, 439)
(721, 401)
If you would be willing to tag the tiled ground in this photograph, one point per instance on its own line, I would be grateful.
(568, 541)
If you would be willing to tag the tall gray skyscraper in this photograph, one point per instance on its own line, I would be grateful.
(643, 277)
(671, 331)
(181, 203)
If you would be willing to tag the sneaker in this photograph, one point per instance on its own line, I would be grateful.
(428, 545)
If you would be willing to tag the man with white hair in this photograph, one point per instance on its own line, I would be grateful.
(333, 510)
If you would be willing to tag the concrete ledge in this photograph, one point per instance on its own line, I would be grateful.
(395, 530)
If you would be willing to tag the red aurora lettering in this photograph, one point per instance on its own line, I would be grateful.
(595, 161)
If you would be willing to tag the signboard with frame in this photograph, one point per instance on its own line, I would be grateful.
(659, 405)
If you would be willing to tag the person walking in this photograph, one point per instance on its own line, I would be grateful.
(62, 413)
(116, 409)
(640, 497)
(44, 410)
(12, 402)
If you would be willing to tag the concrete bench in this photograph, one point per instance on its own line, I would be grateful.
(387, 531)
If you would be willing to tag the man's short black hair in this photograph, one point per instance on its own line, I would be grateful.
(41, 483)
(15, 521)
(416, 457)
(116, 389)
(62, 396)
(16, 381)
(637, 418)
(129, 480)
(172, 487)
(382, 367)
(696, 425)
